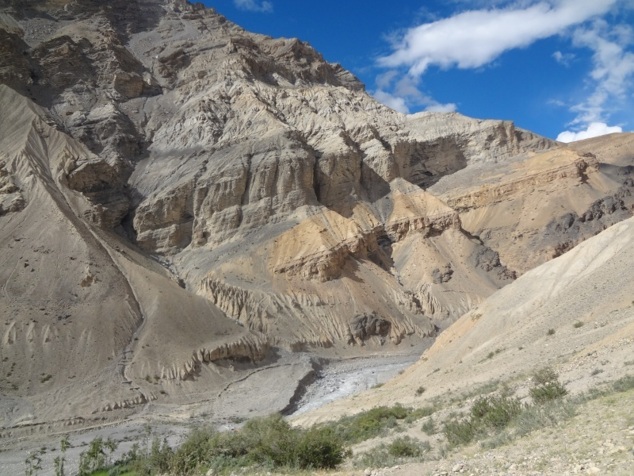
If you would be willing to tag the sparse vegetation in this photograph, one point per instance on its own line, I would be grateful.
(486, 414)
(623, 384)
(266, 443)
(369, 424)
(546, 386)
(577, 324)
(551, 332)
(60, 461)
(490, 415)
(271, 444)
(492, 354)
(97, 456)
(420, 391)
(429, 427)
(402, 448)
(405, 447)
(33, 462)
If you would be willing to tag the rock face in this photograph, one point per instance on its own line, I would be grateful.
(176, 192)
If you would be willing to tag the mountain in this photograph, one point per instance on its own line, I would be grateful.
(189, 211)
(574, 313)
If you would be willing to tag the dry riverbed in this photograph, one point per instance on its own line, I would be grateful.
(332, 379)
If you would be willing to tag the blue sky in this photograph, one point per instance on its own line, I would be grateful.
(561, 68)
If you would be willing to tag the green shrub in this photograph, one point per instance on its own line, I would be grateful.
(418, 413)
(459, 432)
(389, 455)
(60, 461)
(194, 453)
(429, 427)
(369, 424)
(97, 456)
(156, 458)
(495, 412)
(269, 441)
(487, 414)
(33, 462)
(624, 384)
(548, 414)
(266, 442)
(546, 386)
(320, 448)
(405, 447)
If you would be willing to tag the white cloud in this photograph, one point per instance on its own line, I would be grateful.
(563, 58)
(400, 103)
(595, 129)
(254, 6)
(385, 80)
(475, 38)
(612, 75)
(395, 102)
(405, 94)
(437, 107)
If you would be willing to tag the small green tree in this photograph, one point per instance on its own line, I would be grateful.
(97, 456)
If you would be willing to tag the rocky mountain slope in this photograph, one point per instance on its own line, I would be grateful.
(184, 205)
(574, 313)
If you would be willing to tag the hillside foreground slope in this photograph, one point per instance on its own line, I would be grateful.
(575, 314)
